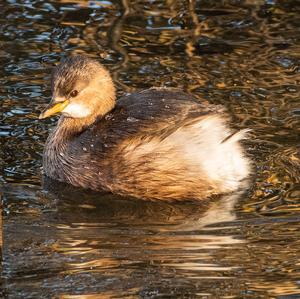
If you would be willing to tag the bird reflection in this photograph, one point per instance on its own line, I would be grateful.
(78, 204)
(103, 231)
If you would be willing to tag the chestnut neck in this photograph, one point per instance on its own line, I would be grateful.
(68, 126)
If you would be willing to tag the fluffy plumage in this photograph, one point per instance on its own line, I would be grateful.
(153, 144)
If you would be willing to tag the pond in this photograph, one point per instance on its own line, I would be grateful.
(61, 242)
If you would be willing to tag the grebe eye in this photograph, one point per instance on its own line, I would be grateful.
(73, 93)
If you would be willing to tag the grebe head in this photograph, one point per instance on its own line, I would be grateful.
(81, 88)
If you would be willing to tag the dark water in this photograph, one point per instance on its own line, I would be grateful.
(59, 242)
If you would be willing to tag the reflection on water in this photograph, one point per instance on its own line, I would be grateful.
(68, 243)
(72, 242)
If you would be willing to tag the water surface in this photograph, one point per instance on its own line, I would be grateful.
(61, 242)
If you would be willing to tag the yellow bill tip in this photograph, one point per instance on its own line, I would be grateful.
(53, 108)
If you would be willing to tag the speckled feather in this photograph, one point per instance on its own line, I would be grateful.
(98, 158)
(154, 144)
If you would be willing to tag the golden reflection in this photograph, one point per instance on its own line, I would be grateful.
(198, 266)
(94, 265)
(87, 3)
(130, 294)
(277, 288)
(241, 54)
(197, 29)
(172, 246)
(73, 23)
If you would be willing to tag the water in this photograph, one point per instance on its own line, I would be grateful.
(59, 242)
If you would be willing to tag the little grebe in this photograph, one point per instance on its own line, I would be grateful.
(152, 144)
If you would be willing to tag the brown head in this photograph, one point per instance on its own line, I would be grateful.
(82, 89)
